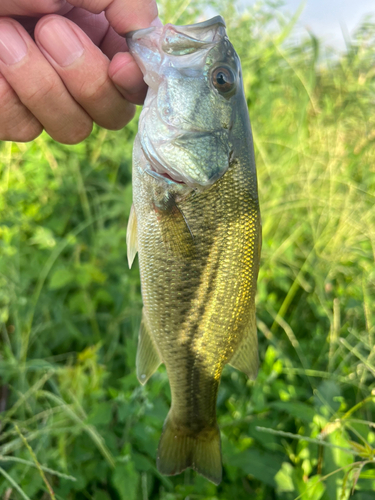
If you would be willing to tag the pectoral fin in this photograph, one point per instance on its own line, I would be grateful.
(246, 357)
(175, 230)
(176, 233)
(131, 237)
(148, 359)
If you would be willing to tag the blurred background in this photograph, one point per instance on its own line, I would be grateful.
(75, 424)
(334, 21)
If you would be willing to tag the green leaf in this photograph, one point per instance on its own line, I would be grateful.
(78, 303)
(101, 495)
(313, 489)
(43, 238)
(101, 415)
(295, 409)
(60, 278)
(262, 465)
(126, 480)
(89, 273)
(333, 459)
(325, 398)
(283, 478)
(4, 314)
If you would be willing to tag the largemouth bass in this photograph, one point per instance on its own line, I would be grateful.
(195, 223)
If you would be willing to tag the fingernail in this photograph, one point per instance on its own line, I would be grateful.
(12, 46)
(60, 42)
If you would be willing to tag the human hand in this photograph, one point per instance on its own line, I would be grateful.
(77, 70)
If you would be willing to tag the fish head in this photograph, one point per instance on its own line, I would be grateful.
(195, 92)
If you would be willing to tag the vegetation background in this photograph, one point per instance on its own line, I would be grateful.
(75, 423)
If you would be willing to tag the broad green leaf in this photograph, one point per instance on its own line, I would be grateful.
(126, 480)
(262, 465)
(295, 409)
(60, 278)
(284, 479)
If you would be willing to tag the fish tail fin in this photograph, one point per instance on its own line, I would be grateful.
(179, 449)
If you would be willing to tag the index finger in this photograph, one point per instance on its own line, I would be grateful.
(122, 15)
(36, 8)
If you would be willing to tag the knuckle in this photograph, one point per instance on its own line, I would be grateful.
(84, 131)
(16, 122)
(74, 135)
(7, 94)
(47, 6)
(91, 92)
(45, 88)
(81, 134)
(29, 133)
(96, 6)
(116, 125)
(25, 130)
(121, 118)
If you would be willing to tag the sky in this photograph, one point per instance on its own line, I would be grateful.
(329, 18)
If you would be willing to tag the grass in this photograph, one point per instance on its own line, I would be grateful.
(75, 423)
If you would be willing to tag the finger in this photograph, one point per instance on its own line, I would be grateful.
(16, 122)
(39, 87)
(86, 77)
(122, 16)
(123, 69)
(33, 8)
(113, 43)
(94, 25)
(128, 78)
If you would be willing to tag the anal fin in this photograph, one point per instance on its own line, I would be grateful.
(148, 359)
(246, 358)
(131, 237)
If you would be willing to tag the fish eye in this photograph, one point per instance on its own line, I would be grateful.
(223, 79)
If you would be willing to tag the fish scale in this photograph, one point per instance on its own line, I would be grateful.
(198, 242)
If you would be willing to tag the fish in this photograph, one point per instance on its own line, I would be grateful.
(195, 223)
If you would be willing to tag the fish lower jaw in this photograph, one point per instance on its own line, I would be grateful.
(169, 177)
(182, 187)
(163, 176)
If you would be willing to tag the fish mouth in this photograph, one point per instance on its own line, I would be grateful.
(164, 177)
(136, 34)
(197, 27)
(148, 45)
(169, 178)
